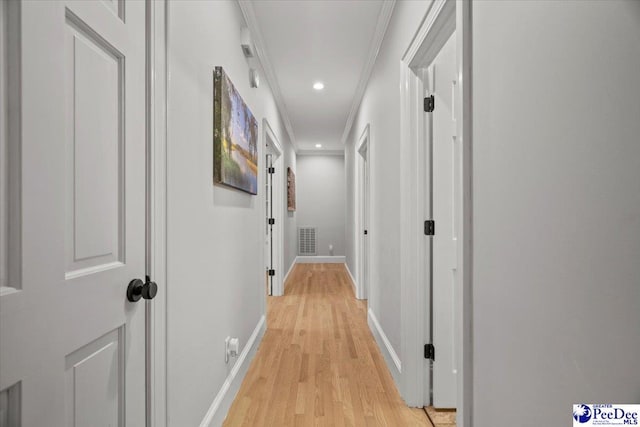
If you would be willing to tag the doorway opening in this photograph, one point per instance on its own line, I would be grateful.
(274, 212)
(363, 159)
(270, 222)
(436, 196)
(439, 85)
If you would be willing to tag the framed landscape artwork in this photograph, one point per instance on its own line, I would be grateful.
(291, 190)
(235, 137)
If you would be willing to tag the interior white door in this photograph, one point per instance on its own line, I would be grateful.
(365, 222)
(269, 223)
(362, 234)
(445, 152)
(72, 347)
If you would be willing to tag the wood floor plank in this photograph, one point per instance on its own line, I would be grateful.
(441, 417)
(318, 364)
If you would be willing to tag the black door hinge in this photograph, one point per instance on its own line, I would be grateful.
(429, 352)
(430, 227)
(429, 104)
(271, 170)
(272, 221)
(272, 272)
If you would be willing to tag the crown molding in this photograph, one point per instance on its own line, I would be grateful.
(248, 12)
(384, 17)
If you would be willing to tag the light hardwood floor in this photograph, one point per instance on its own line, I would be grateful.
(318, 364)
(441, 417)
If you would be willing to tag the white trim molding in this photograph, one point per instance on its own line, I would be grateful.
(272, 136)
(389, 353)
(220, 406)
(464, 112)
(156, 312)
(286, 276)
(354, 285)
(320, 259)
(384, 17)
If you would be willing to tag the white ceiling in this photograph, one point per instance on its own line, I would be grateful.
(328, 41)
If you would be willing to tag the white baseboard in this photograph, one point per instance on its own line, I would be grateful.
(390, 355)
(354, 285)
(218, 410)
(320, 259)
(286, 276)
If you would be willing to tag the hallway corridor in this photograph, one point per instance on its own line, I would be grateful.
(318, 363)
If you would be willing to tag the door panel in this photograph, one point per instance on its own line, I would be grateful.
(94, 175)
(94, 381)
(444, 241)
(70, 343)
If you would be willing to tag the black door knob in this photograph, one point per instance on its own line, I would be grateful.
(149, 290)
(138, 289)
(366, 231)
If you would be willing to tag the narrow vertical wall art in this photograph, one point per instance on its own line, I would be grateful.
(291, 190)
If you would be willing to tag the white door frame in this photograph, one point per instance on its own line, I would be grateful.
(156, 310)
(279, 207)
(442, 19)
(363, 160)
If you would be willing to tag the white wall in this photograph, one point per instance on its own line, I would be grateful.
(556, 209)
(215, 255)
(320, 200)
(381, 109)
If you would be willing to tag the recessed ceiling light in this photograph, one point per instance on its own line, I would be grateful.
(318, 85)
(318, 145)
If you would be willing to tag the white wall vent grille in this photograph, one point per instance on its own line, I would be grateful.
(307, 241)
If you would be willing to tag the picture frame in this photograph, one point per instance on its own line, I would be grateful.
(235, 137)
(291, 190)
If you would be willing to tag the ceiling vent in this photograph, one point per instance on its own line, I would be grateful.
(307, 241)
(247, 44)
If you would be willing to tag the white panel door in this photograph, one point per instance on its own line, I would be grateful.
(365, 224)
(445, 153)
(72, 347)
